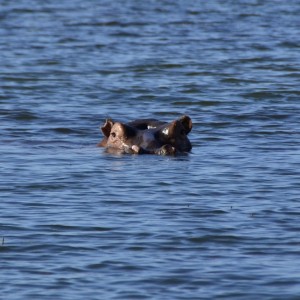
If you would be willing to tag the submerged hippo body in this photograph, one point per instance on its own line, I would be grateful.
(147, 136)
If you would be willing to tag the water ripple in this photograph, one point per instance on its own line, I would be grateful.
(78, 222)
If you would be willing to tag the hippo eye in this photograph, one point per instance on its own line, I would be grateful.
(113, 134)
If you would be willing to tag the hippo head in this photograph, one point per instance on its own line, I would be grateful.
(175, 134)
(147, 136)
(117, 135)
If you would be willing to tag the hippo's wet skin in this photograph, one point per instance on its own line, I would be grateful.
(147, 136)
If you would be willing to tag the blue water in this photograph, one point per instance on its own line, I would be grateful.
(219, 223)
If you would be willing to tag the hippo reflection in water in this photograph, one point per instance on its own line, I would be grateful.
(147, 136)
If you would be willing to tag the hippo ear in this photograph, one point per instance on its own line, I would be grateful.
(186, 123)
(106, 128)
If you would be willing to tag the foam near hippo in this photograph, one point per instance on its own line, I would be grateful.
(147, 136)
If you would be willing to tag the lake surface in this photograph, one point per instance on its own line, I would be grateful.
(219, 223)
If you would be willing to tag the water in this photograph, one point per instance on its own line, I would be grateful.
(219, 223)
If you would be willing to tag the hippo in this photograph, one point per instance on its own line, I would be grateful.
(147, 136)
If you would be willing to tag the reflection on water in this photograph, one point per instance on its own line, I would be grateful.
(78, 222)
